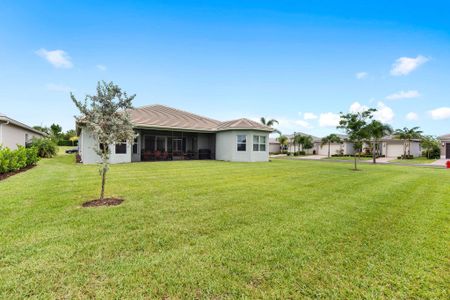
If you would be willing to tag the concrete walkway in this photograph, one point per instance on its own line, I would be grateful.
(439, 162)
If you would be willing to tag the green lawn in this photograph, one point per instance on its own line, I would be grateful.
(348, 158)
(206, 229)
(416, 160)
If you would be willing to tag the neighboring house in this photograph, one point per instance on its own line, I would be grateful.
(445, 146)
(165, 133)
(294, 147)
(390, 146)
(344, 148)
(274, 146)
(13, 133)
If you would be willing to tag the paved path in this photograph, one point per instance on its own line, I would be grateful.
(439, 162)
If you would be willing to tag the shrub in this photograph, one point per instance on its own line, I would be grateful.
(45, 147)
(13, 160)
(67, 143)
(406, 157)
(434, 153)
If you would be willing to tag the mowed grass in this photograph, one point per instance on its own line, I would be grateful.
(416, 160)
(207, 229)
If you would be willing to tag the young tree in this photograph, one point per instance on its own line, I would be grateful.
(354, 125)
(56, 132)
(105, 116)
(328, 140)
(376, 131)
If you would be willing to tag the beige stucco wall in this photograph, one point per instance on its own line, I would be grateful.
(87, 144)
(444, 145)
(12, 135)
(226, 146)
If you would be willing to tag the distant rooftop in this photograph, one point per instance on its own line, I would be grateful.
(7, 120)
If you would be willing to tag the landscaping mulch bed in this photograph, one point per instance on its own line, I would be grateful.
(6, 175)
(104, 202)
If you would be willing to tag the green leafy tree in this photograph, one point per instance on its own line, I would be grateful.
(431, 145)
(328, 140)
(407, 135)
(354, 125)
(42, 129)
(56, 132)
(306, 141)
(283, 140)
(376, 131)
(106, 117)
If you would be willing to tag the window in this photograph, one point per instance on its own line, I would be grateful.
(121, 148)
(259, 143)
(135, 145)
(241, 143)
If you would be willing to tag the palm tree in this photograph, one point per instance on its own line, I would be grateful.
(306, 141)
(270, 123)
(377, 130)
(283, 140)
(407, 135)
(328, 140)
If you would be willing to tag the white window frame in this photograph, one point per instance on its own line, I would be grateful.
(241, 143)
(257, 142)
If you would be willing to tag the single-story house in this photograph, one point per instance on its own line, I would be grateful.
(445, 146)
(165, 133)
(294, 147)
(390, 146)
(274, 146)
(14, 133)
(344, 148)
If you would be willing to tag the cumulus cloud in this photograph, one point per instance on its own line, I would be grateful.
(404, 95)
(101, 67)
(329, 119)
(356, 107)
(405, 65)
(309, 116)
(361, 75)
(58, 58)
(412, 116)
(384, 113)
(441, 113)
(52, 87)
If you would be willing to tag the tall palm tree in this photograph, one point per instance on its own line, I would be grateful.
(407, 135)
(328, 140)
(306, 141)
(283, 140)
(270, 123)
(376, 131)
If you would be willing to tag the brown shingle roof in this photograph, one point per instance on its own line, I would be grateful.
(241, 124)
(161, 116)
(445, 137)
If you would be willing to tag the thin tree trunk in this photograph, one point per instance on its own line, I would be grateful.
(409, 148)
(102, 193)
(329, 150)
(373, 152)
(356, 167)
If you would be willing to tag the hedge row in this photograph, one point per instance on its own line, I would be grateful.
(14, 160)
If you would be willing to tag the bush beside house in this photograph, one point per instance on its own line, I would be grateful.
(15, 160)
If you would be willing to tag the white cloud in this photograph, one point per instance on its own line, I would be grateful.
(303, 123)
(404, 95)
(357, 107)
(384, 113)
(405, 65)
(309, 116)
(58, 58)
(361, 75)
(412, 116)
(329, 119)
(441, 113)
(52, 87)
(101, 67)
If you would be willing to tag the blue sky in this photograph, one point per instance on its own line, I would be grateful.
(301, 62)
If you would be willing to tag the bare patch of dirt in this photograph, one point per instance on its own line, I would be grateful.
(6, 175)
(104, 202)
